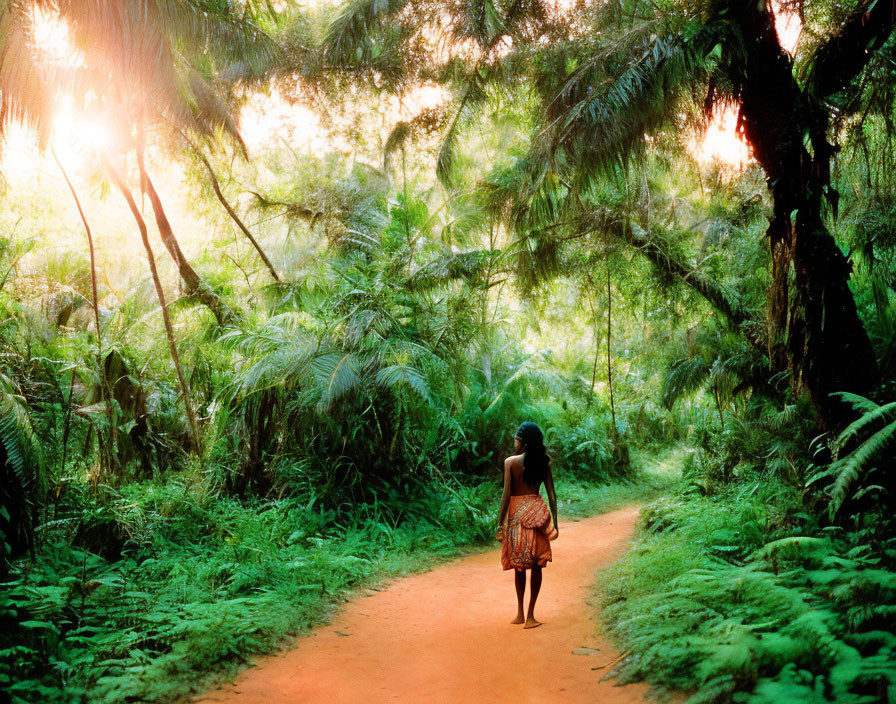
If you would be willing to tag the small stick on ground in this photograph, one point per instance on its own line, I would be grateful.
(613, 662)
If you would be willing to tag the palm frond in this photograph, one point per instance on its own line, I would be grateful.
(348, 41)
(533, 370)
(625, 91)
(457, 265)
(424, 123)
(472, 98)
(146, 49)
(396, 374)
(685, 377)
(337, 375)
(26, 95)
(785, 418)
(480, 20)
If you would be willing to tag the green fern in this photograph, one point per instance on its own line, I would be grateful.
(24, 481)
(875, 430)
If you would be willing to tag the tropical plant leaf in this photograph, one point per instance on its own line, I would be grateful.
(396, 374)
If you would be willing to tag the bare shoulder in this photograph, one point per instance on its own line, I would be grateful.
(514, 461)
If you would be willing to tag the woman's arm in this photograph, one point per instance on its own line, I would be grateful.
(505, 497)
(552, 498)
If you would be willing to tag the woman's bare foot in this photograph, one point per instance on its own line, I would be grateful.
(532, 623)
(519, 619)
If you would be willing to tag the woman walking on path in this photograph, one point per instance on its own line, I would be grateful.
(526, 525)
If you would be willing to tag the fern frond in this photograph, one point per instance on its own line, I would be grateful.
(794, 545)
(860, 403)
(877, 414)
(848, 469)
(23, 447)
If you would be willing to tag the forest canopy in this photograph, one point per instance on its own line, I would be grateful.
(278, 281)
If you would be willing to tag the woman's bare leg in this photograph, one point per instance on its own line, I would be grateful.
(519, 577)
(534, 588)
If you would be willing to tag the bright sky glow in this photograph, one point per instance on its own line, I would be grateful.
(424, 97)
(789, 28)
(78, 136)
(75, 136)
(269, 121)
(720, 142)
(20, 157)
(51, 37)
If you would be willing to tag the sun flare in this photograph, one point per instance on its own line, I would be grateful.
(720, 143)
(78, 135)
(52, 38)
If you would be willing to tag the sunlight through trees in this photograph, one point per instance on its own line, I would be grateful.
(278, 281)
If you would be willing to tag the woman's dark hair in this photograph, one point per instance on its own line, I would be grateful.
(535, 460)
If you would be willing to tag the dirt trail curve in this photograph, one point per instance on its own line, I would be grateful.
(445, 636)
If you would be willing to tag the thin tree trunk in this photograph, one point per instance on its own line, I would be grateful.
(609, 360)
(93, 283)
(594, 367)
(67, 423)
(195, 286)
(718, 399)
(232, 213)
(169, 331)
(106, 457)
(596, 349)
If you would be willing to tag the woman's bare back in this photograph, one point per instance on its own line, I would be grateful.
(518, 484)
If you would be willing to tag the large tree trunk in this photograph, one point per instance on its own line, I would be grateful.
(827, 345)
(194, 285)
(166, 318)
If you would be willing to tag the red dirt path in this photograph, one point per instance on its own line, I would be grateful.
(445, 636)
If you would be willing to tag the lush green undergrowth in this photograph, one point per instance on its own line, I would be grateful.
(743, 596)
(203, 580)
(190, 583)
(655, 473)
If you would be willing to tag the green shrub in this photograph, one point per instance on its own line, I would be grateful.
(743, 596)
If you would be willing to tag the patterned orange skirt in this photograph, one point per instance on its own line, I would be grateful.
(527, 533)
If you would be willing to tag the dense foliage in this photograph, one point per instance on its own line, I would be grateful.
(389, 233)
(743, 595)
